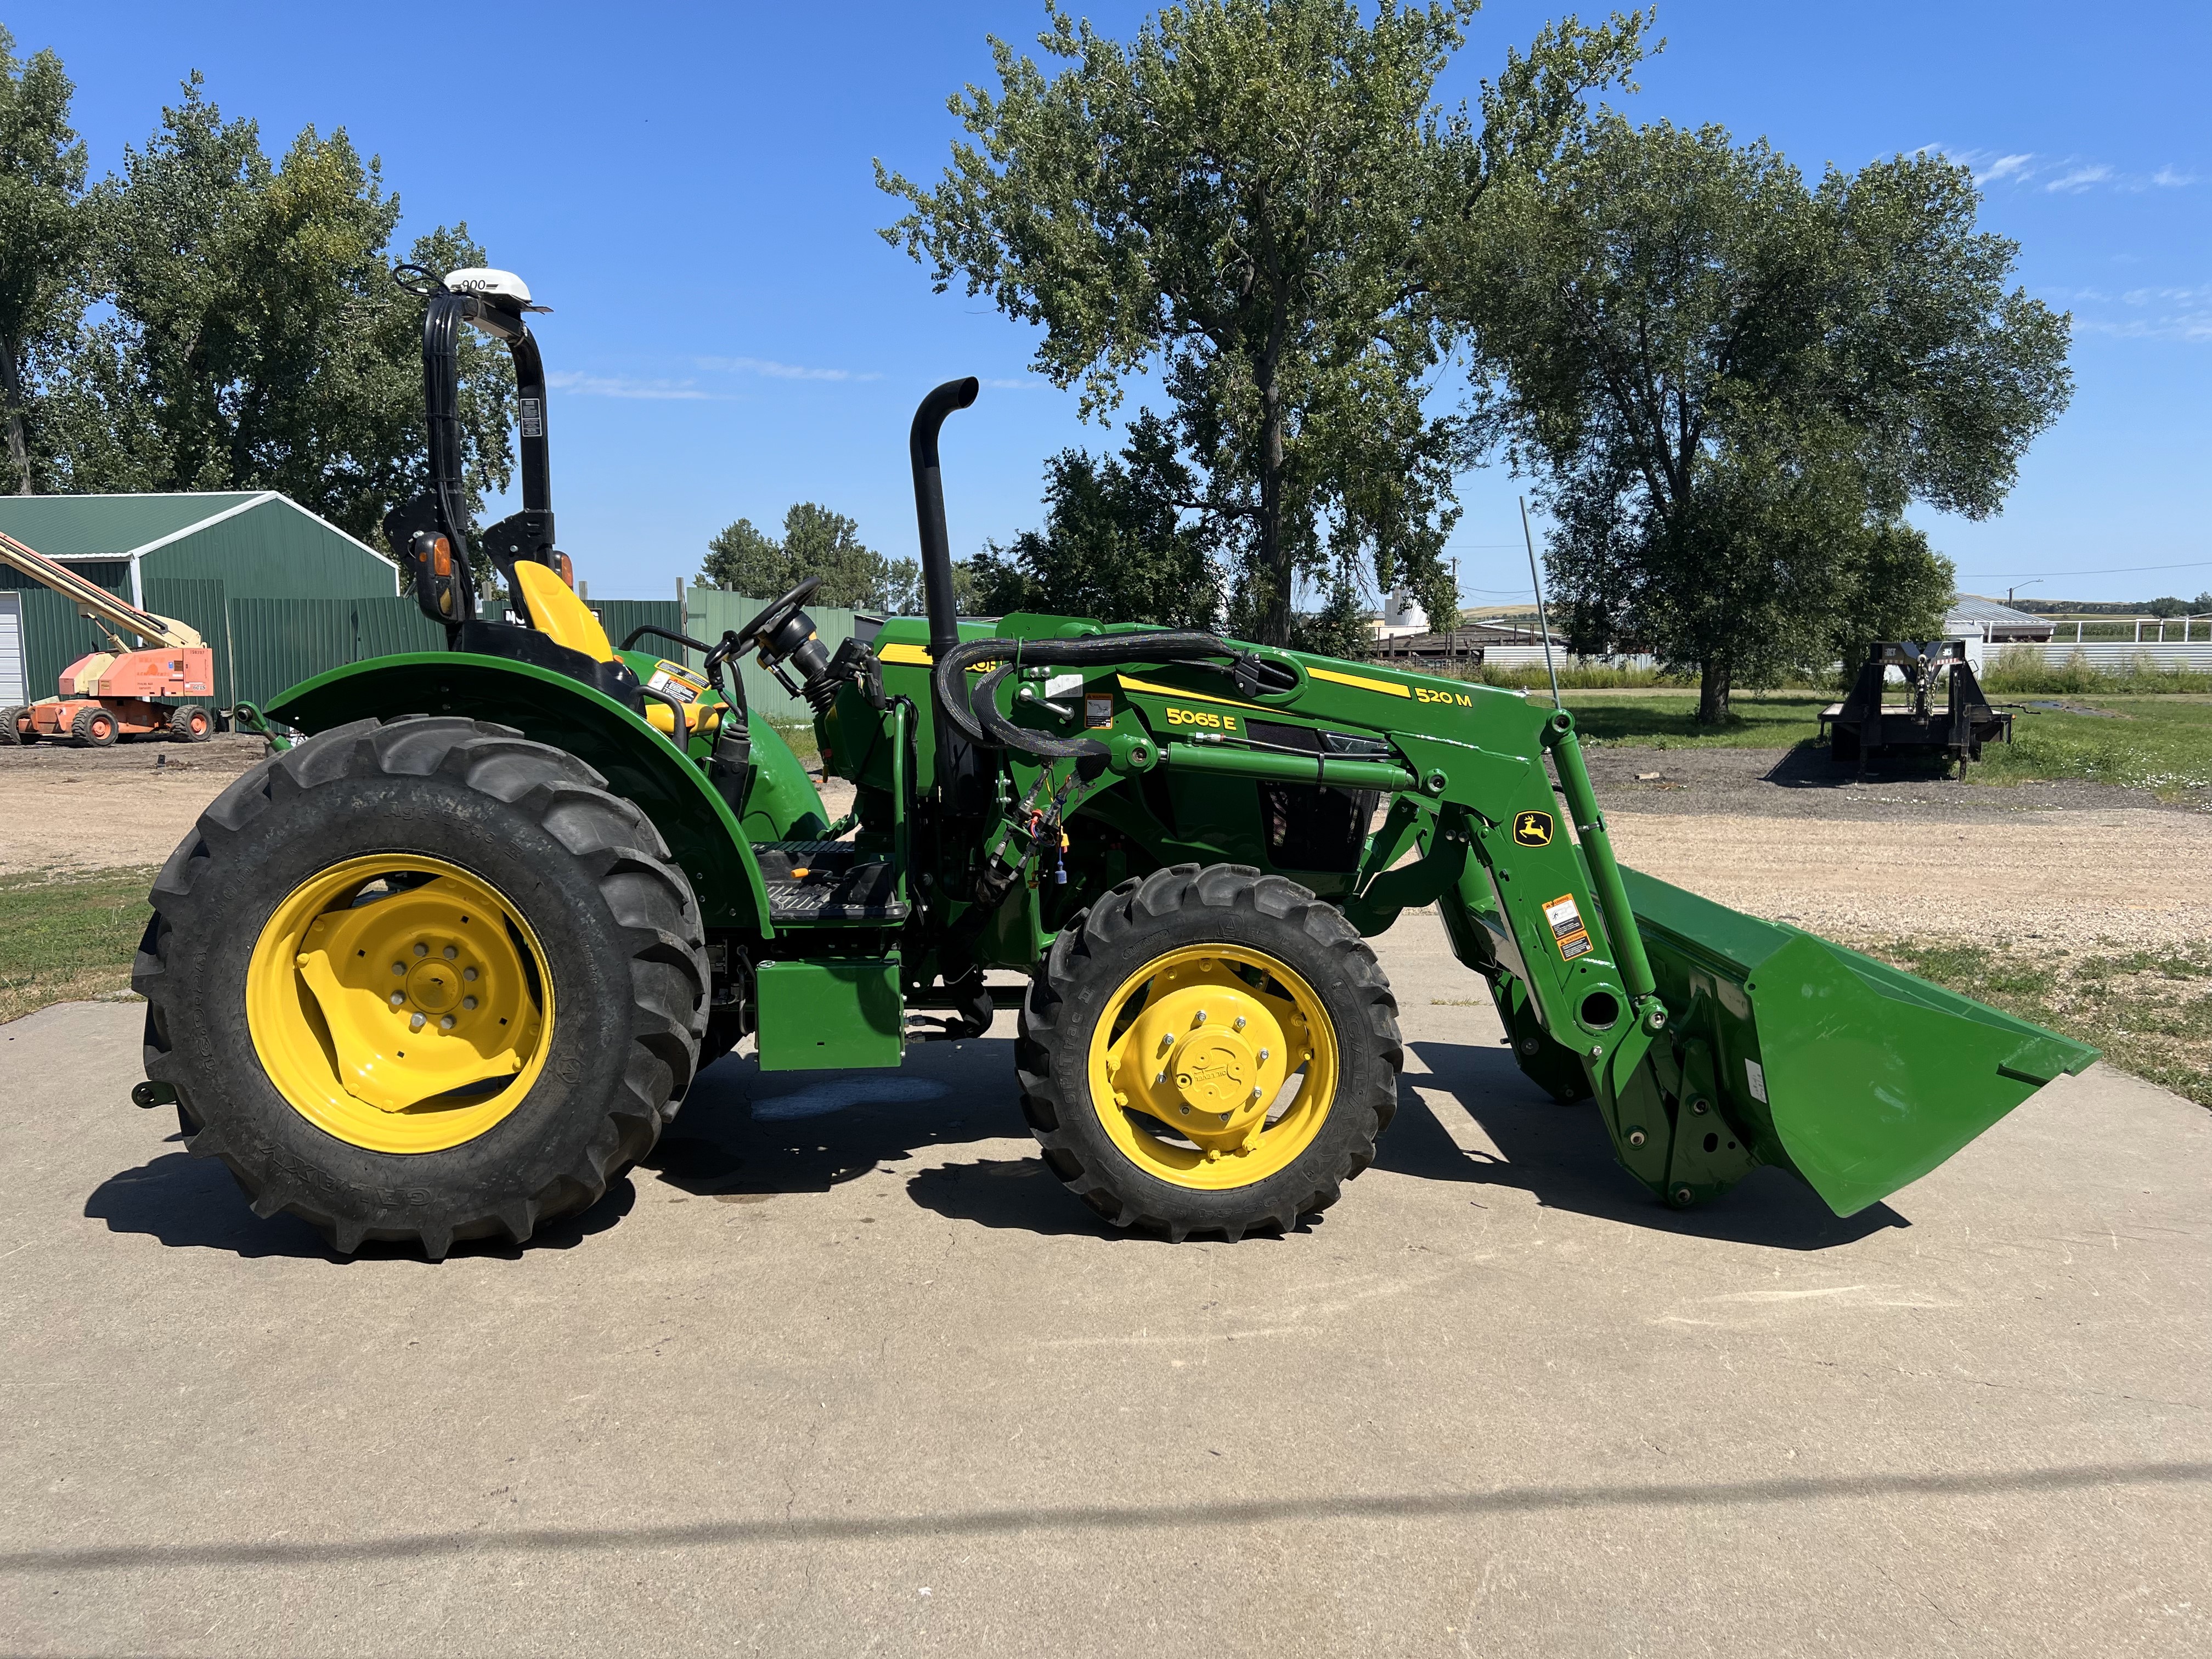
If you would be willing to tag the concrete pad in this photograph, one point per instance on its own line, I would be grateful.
(844, 1370)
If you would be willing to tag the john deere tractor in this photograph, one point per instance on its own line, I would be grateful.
(444, 970)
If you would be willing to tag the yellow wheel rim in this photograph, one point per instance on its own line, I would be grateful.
(1214, 1066)
(399, 1003)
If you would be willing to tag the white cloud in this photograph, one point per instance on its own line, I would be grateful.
(2160, 313)
(2005, 167)
(777, 371)
(2170, 177)
(2076, 180)
(1026, 383)
(615, 385)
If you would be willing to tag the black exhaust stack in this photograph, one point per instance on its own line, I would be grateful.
(958, 771)
(929, 510)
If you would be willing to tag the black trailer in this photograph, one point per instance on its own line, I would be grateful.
(1863, 725)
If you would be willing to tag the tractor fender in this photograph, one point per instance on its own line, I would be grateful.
(637, 761)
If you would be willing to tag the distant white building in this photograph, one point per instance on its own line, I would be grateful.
(1401, 614)
(1987, 622)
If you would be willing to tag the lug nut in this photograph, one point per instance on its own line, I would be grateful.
(421, 950)
(1198, 1018)
(469, 974)
(446, 1023)
(399, 967)
(1263, 1056)
(398, 997)
(1225, 1117)
(1239, 1025)
(1255, 1094)
(415, 1021)
(1186, 1111)
(1161, 1077)
(468, 1002)
(451, 952)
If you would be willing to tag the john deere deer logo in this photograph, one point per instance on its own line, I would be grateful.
(1533, 829)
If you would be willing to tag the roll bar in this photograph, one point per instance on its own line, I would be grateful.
(528, 534)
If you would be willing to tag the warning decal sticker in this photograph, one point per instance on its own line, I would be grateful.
(1567, 930)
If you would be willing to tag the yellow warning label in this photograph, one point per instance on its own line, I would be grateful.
(1567, 930)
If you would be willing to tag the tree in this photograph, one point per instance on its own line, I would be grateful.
(1115, 545)
(1729, 386)
(1893, 586)
(817, 542)
(43, 237)
(1236, 198)
(256, 339)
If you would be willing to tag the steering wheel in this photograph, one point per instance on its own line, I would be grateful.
(762, 628)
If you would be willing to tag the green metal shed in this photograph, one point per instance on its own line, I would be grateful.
(189, 556)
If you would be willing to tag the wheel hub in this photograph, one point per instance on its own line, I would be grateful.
(1207, 1057)
(397, 1021)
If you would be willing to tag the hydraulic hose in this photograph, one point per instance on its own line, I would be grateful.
(984, 725)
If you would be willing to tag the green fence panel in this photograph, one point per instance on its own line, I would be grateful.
(277, 643)
(618, 616)
(708, 612)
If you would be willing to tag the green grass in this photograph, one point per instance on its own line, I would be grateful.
(1759, 720)
(64, 937)
(2163, 743)
(2149, 1011)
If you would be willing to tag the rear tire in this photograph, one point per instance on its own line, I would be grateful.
(1126, 1174)
(14, 725)
(609, 915)
(95, 728)
(190, 723)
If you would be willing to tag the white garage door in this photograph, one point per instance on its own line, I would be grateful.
(11, 650)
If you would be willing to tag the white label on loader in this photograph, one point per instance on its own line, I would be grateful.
(1755, 1074)
(1061, 684)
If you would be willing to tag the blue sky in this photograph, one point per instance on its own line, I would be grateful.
(690, 187)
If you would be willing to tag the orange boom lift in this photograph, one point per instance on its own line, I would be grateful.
(122, 693)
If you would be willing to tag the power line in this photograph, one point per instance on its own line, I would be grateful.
(2123, 570)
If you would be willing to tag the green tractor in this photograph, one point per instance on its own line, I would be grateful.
(447, 967)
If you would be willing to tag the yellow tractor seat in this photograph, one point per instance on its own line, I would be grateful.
(566, 620)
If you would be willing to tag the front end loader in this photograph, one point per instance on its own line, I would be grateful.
(443, 969)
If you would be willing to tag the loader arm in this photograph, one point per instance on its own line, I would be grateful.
(1712, 1041)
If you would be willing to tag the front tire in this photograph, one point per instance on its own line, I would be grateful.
(95, 728)
(190, 723)
(333, 943)
(1209, 1050)
(14, 725)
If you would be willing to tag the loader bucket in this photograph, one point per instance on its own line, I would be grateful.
(1859, 1077)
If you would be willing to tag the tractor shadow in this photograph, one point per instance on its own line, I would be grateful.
(744, 1137)
(190, 1203)
(1561, 1157)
